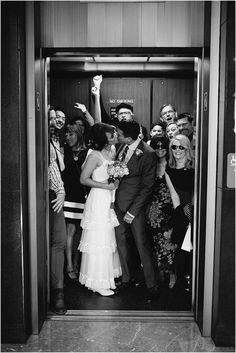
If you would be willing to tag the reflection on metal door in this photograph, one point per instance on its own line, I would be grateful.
(36, 171)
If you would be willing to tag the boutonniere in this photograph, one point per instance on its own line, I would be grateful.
(138, 152)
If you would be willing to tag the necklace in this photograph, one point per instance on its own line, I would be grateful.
(76, 155)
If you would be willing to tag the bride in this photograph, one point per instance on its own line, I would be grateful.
(100, 263)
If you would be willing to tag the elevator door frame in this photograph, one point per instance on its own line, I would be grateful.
(200, 101)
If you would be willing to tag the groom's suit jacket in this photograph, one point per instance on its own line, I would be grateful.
(135, 189)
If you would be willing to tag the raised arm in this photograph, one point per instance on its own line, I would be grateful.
(97, 80)
(84, 110)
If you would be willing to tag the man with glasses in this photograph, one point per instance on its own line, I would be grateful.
(124, 112)
(167, 113)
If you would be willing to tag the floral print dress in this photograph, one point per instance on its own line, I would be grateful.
(160, 212)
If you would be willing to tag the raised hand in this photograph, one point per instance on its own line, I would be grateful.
(81, 107)
(97, 80)
(95, 91)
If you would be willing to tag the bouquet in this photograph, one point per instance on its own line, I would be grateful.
(116, 170)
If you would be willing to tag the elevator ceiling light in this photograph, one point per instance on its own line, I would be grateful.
(169, 59)
(74, 59)
(119, 59)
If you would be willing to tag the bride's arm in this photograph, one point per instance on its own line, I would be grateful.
(86, 175)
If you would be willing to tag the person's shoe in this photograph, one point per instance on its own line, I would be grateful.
(153, 292)
(72, 275)
(134, 282)
(58, 304)
(123, 286)
(104, 292)
(172, 281)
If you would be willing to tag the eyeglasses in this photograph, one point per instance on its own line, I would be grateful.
(176, 147)
(168, 112)
(124, 113)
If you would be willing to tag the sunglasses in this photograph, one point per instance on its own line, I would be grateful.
(175, 147)
(160, 147)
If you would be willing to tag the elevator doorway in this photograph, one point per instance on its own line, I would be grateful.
(150, 85)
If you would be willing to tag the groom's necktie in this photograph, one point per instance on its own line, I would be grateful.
(124, 153)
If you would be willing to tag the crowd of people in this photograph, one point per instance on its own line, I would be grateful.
(118, 200)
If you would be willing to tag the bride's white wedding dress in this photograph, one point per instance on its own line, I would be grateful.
(100, 261)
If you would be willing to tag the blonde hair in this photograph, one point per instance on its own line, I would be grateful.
(185, 142)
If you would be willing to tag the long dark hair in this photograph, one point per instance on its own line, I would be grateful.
(98, 139)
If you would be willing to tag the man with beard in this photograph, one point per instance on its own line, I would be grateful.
(56, 217)
(185, 124)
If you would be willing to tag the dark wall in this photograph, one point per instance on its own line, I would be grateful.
(145, 94)
(223, 332)
(15, 281)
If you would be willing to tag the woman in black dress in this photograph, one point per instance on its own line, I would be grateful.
(75, 153)
(181, 173)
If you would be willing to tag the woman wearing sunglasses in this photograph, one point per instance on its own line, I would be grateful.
(181, 173)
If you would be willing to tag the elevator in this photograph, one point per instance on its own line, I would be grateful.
(209, 56)
(145, 82)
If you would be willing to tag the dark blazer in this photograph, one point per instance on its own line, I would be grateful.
(135, 189)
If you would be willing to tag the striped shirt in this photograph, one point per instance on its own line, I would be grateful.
(54, 176)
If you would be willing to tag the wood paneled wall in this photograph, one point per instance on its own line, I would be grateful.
(146, 95)
(122, 24)
(178, 92)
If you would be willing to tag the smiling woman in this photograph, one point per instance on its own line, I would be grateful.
(181, 173)
(75, 153)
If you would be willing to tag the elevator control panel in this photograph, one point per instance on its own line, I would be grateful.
(231, 170)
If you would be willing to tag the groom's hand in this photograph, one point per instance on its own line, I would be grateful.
(128, 218)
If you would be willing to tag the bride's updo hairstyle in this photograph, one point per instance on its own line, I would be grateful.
(98, 139)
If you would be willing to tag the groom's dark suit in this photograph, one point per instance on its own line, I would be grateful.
(132, 195)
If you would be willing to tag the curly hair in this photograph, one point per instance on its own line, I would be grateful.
(185, 142)
(98, 138)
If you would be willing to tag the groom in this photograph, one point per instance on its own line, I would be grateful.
(132, 196)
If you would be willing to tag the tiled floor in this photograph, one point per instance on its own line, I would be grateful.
(74, 336)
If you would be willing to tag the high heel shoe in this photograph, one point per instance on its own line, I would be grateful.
(172, 281)
(104, 292)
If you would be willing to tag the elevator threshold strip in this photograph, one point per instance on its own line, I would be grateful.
(122, 315)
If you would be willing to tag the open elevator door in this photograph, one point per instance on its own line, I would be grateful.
(125, 85)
